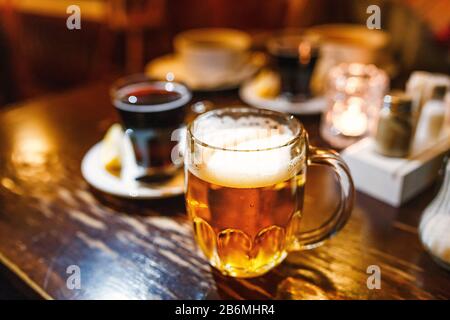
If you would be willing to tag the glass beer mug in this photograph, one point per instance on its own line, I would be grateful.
(245, 178)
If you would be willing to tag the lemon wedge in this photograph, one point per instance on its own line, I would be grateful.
(111, 149)
(267, 84)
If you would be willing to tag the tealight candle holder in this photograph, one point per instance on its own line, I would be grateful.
(354, 96)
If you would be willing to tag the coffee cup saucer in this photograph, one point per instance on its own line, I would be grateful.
(172, 65)
(123, 185)
(250, 95)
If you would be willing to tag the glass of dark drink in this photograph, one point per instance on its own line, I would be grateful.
(294, 58)
(151, 111)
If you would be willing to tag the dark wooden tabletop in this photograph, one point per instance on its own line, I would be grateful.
(51, 219)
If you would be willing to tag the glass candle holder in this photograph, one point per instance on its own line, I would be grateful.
(354, 95)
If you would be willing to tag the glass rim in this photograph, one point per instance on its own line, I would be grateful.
(300, 132)
(123, 84)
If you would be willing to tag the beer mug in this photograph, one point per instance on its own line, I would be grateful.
(245, 179)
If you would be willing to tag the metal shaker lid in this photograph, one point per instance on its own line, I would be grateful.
(398, 102)
(439, 92)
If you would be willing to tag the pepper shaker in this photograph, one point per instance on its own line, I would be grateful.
(395, 125)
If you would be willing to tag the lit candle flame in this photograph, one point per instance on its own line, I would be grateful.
(350, 120)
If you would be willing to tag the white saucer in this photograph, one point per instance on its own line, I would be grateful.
(314, 105)
(171, 64)
(97, 176)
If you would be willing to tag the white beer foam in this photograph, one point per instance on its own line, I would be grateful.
(250, 165)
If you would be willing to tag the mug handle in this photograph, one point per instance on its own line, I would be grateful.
(314, 238)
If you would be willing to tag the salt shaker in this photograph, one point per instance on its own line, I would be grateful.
(446, 126)
(395, 125)
(431, 120)
(434, 226)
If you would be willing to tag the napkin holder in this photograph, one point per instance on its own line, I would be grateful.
(392, 180)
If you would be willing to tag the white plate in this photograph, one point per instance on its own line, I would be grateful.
(314, 105)
(171, 64)
(97, 176)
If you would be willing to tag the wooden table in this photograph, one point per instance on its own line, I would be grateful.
(51, 219)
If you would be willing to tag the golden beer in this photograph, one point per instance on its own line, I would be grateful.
(244, 231)
(245, 176)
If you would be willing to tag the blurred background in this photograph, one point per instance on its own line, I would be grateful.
(39, 55)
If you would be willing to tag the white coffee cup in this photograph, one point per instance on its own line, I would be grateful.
(212, 52)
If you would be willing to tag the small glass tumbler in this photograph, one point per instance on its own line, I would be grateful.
(354, 95)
